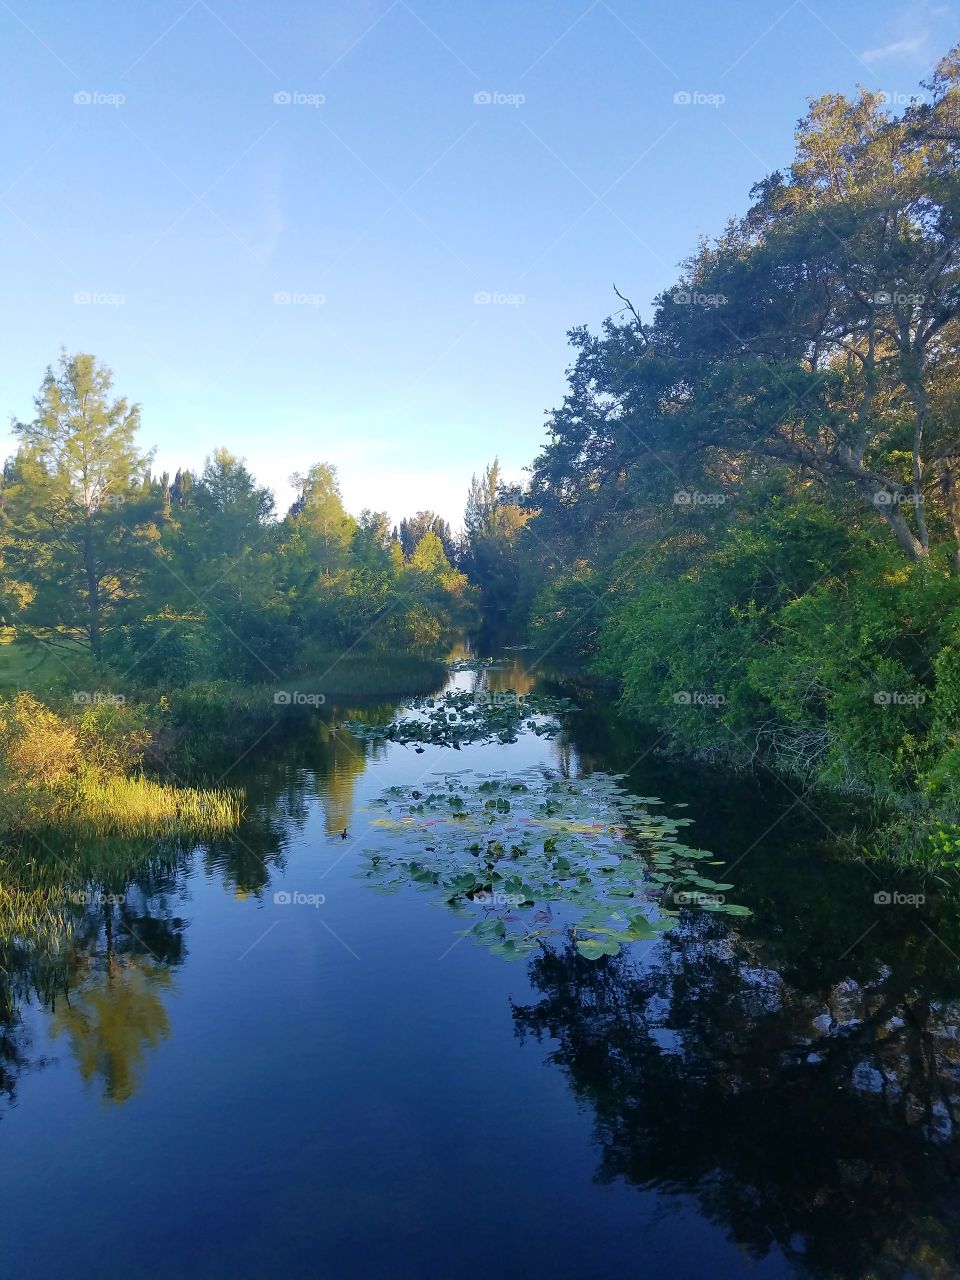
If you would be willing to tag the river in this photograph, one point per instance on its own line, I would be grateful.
(249, 1064)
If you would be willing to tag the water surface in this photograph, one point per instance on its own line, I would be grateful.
(217, 1082)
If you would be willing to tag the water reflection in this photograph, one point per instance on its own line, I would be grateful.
(797, 1074)
(93, 933)
(96, 950)
(110, 1018)
(817, 1116)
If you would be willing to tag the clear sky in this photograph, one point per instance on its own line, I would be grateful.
(148, 165)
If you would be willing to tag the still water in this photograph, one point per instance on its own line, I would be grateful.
(248, 1064)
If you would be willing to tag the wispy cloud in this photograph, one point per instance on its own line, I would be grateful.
(913, 46)
(916, 35)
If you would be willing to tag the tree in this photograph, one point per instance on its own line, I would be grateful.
(819, 335)
(82, 523)
(320, 516)
(494, 519)
(223, 575)
(411, 531)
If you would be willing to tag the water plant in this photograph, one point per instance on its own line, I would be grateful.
(81, 775)
(529, 855)
(461, 716)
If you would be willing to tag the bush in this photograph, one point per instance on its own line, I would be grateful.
(74, 774)
(812, 646)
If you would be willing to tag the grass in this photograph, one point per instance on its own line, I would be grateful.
(80, 775)
(29, 664)
(30, 913)
(206, 726)
(135, 807)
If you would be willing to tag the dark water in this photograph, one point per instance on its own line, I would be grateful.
(210, 1083)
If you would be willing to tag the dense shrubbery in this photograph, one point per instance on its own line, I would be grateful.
(81, 774)
(794, 641)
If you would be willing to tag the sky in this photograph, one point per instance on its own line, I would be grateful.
(358, 232)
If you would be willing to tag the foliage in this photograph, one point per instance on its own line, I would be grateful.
(747, 510)
(492, 556)
(78, 775)
(461, 717)
(530, 857)
(170, 582)
(80, 516)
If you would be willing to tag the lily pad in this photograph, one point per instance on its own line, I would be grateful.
(461, 717)
(609, 867)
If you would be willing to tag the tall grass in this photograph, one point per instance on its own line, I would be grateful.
(80, 776)
(117, 806)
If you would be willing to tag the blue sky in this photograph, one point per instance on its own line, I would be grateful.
(149, 166)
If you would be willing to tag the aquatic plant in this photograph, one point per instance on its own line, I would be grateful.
(531, 856)
(139, 807)
(462, 717)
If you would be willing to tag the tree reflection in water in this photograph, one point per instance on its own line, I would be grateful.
(92, 932)
(819, 1118)
(97, 951)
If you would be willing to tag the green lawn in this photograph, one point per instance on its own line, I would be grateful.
(28, 664)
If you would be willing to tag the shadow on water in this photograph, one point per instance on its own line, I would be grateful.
(798, 1072)
(815, 1113)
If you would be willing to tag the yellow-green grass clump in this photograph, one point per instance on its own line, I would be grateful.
(139, 807)
(30, 913)
(81, 775)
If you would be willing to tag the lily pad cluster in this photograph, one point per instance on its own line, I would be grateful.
(470, 664)
(528, 856)
(460, 717)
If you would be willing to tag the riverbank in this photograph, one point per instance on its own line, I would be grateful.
(115, 758)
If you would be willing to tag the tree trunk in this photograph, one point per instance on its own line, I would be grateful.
(93, 591)
(951, 500)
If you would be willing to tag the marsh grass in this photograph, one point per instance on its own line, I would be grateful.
(137, 807)
(369, 675)
(31, 913)
(80, 776)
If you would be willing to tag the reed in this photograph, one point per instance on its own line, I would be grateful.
(117, 806)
